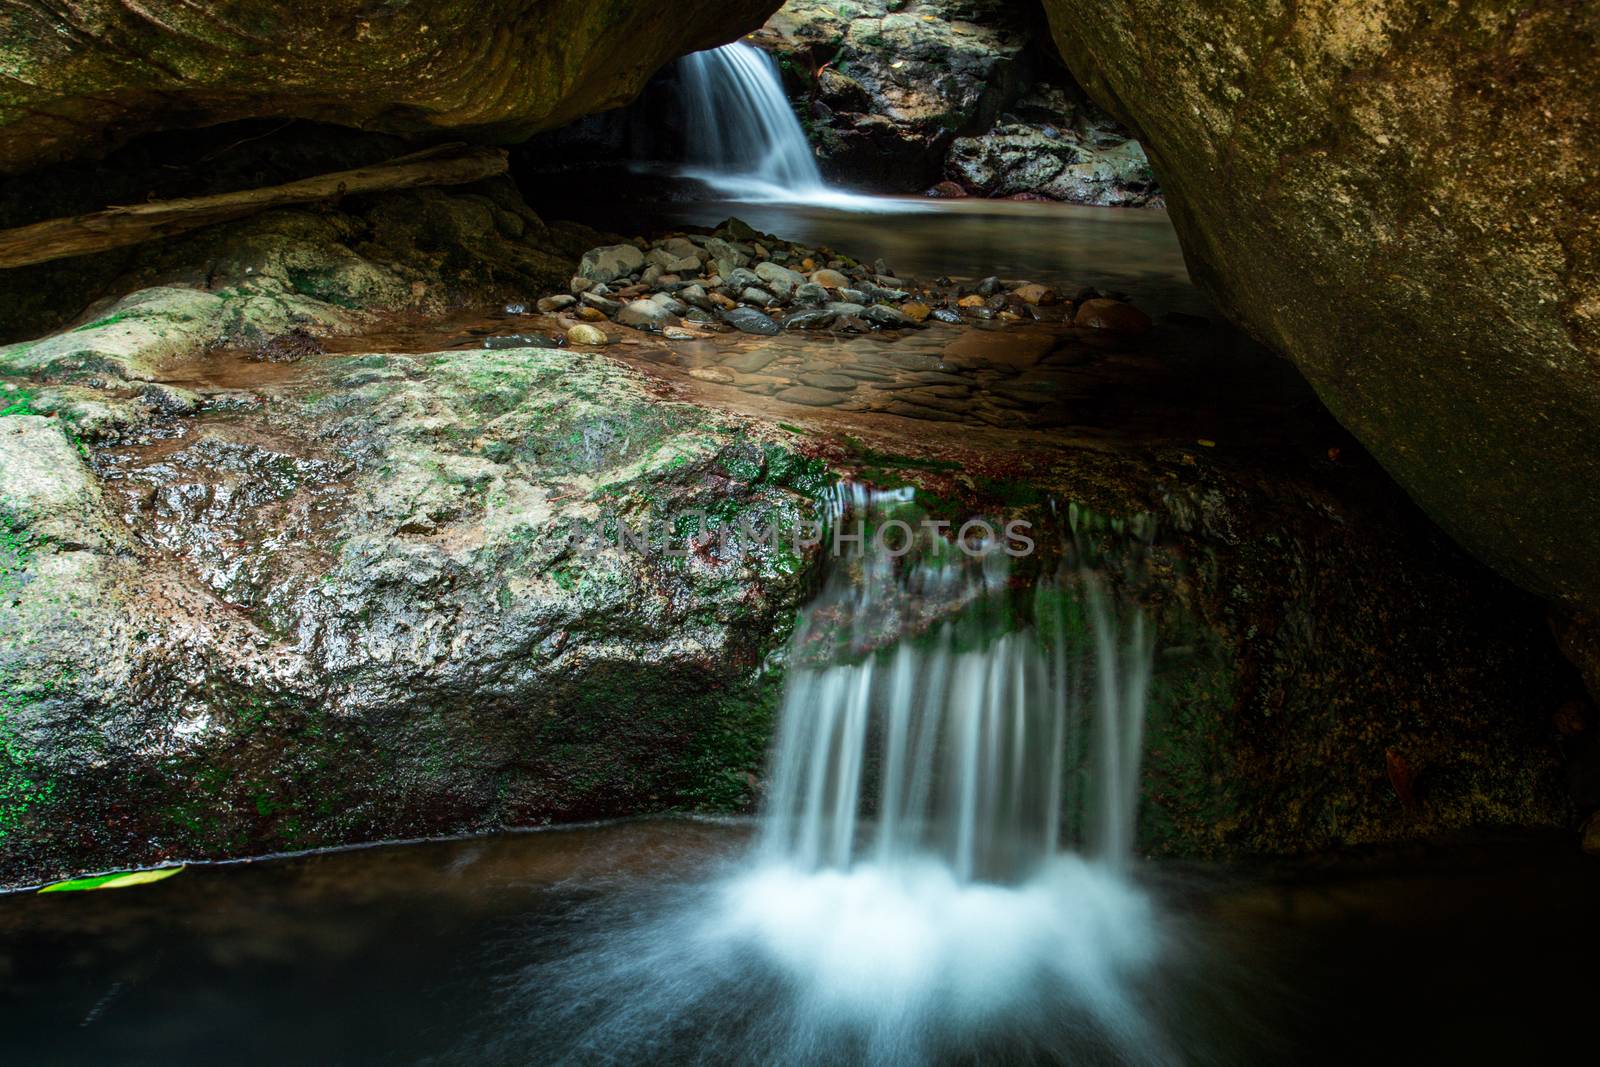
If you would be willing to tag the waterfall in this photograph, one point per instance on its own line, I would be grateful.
(986, 752)
(744, 139)
(940, 871)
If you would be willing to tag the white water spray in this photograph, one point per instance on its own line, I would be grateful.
(953, 803)
(940, 874)
(744, 139)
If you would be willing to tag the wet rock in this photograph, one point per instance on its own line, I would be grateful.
(758, 297)
(945, 315)
(520, 340)
(714, 375)
(947, 190)
(811, 295)
(672, 305)
(810, 397)
(668, 263)
(829, 279)
(644, 314)
(678, 333)
(1035, 294)
(836, 382)
(750, 362)
(916, 311)
(611, 262)
(585, 334)
(810, 320)
(920, 411)
(889, 318)
(552, 304)
(842, 307)
(749, 320)
(697, 296)
(782, 278)
(601, 304)
(1112, 315)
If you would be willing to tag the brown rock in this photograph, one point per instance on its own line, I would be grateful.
(916, 311)
(810, 397)
(1112, 315)
(84, 75)
(1035, 294)
(947, 191)
(830, 279)
(1591, 835)
(1399, 196)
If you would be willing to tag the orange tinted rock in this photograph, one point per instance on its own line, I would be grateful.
(1112, 315)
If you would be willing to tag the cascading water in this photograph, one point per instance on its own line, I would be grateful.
(745, 142)
(975, 736)
(744, 139)
(939, 873)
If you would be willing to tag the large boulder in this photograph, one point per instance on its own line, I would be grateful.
(84, 75)
(1401, 196)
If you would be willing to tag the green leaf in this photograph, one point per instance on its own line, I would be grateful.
(118, 880)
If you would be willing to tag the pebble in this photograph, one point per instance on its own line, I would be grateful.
(749, 320)
(883, 315)
(678, 333)
(809, 320)
(1035, 294)
(811, 295)
(644, 313)
(829, 279)
(916, 311)
(601, 304)
(590, 314)
(584, 334)
(758, 297)
(552, 304)
(611, 262)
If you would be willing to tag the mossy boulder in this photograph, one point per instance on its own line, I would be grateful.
(1399, 195)
(82, 76)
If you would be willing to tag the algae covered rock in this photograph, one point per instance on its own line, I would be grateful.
(1400, 197)
(412, 595)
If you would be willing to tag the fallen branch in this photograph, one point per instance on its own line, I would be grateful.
(116, 227)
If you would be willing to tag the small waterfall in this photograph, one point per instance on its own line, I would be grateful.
(976, 743)
(744, 139)
(940, 872)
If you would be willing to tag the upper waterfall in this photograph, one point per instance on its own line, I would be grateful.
(743, 137)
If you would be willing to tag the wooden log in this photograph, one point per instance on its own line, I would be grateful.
(116, 227)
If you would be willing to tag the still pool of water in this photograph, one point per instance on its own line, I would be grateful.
(558, 946)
